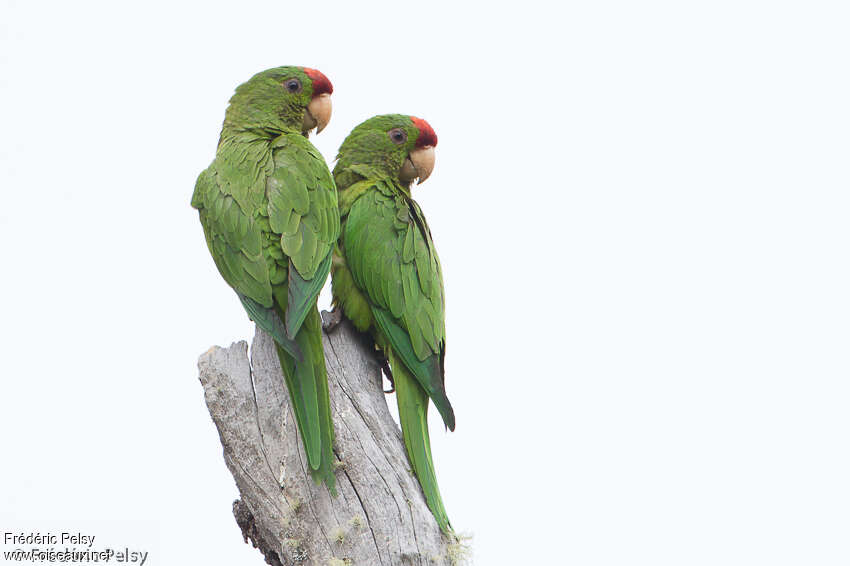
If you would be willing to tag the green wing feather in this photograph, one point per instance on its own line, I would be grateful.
(424, 370)
(392, 258)
(390, 280)
(270, 217)
(232, 229)
(303, 294)
(268, 319)
(303, 209)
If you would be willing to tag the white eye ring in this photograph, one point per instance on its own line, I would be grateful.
(398, 136)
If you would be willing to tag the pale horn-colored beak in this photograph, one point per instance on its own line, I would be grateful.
(423, 159)
(318, 113)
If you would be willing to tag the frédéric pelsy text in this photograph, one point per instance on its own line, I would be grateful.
(75, 539)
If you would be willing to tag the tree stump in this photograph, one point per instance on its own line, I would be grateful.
(379, 516)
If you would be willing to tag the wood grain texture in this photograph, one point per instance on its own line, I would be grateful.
(379, 516)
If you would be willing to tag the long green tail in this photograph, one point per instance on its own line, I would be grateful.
(413, 413)
(308, 389)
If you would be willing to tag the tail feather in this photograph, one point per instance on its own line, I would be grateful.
(413, 414)
(307, 384)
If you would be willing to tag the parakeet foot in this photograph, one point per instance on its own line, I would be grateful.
(330, 320)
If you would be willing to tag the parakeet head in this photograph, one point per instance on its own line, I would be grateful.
(399, 146)
(282, 99)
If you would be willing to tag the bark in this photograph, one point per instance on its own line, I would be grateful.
(379, 516)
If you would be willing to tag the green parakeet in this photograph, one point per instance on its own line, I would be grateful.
(268, 206)
(387, 277)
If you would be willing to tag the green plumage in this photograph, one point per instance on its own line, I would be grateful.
(268, 206)
(388, 281)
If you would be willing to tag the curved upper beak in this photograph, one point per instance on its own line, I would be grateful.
(318, 113)
(423, 159)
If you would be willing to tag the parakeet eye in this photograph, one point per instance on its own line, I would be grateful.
(398, 135)
(293, 85)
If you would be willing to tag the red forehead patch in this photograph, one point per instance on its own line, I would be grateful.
(427, 136)
(321, 84)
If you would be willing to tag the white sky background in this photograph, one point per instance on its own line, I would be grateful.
(642, 214)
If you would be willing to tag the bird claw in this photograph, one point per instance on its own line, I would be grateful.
(330, 320)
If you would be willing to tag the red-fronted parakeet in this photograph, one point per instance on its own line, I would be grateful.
(387, 277)
(268, 206)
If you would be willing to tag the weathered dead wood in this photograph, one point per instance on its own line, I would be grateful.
(379, 516)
